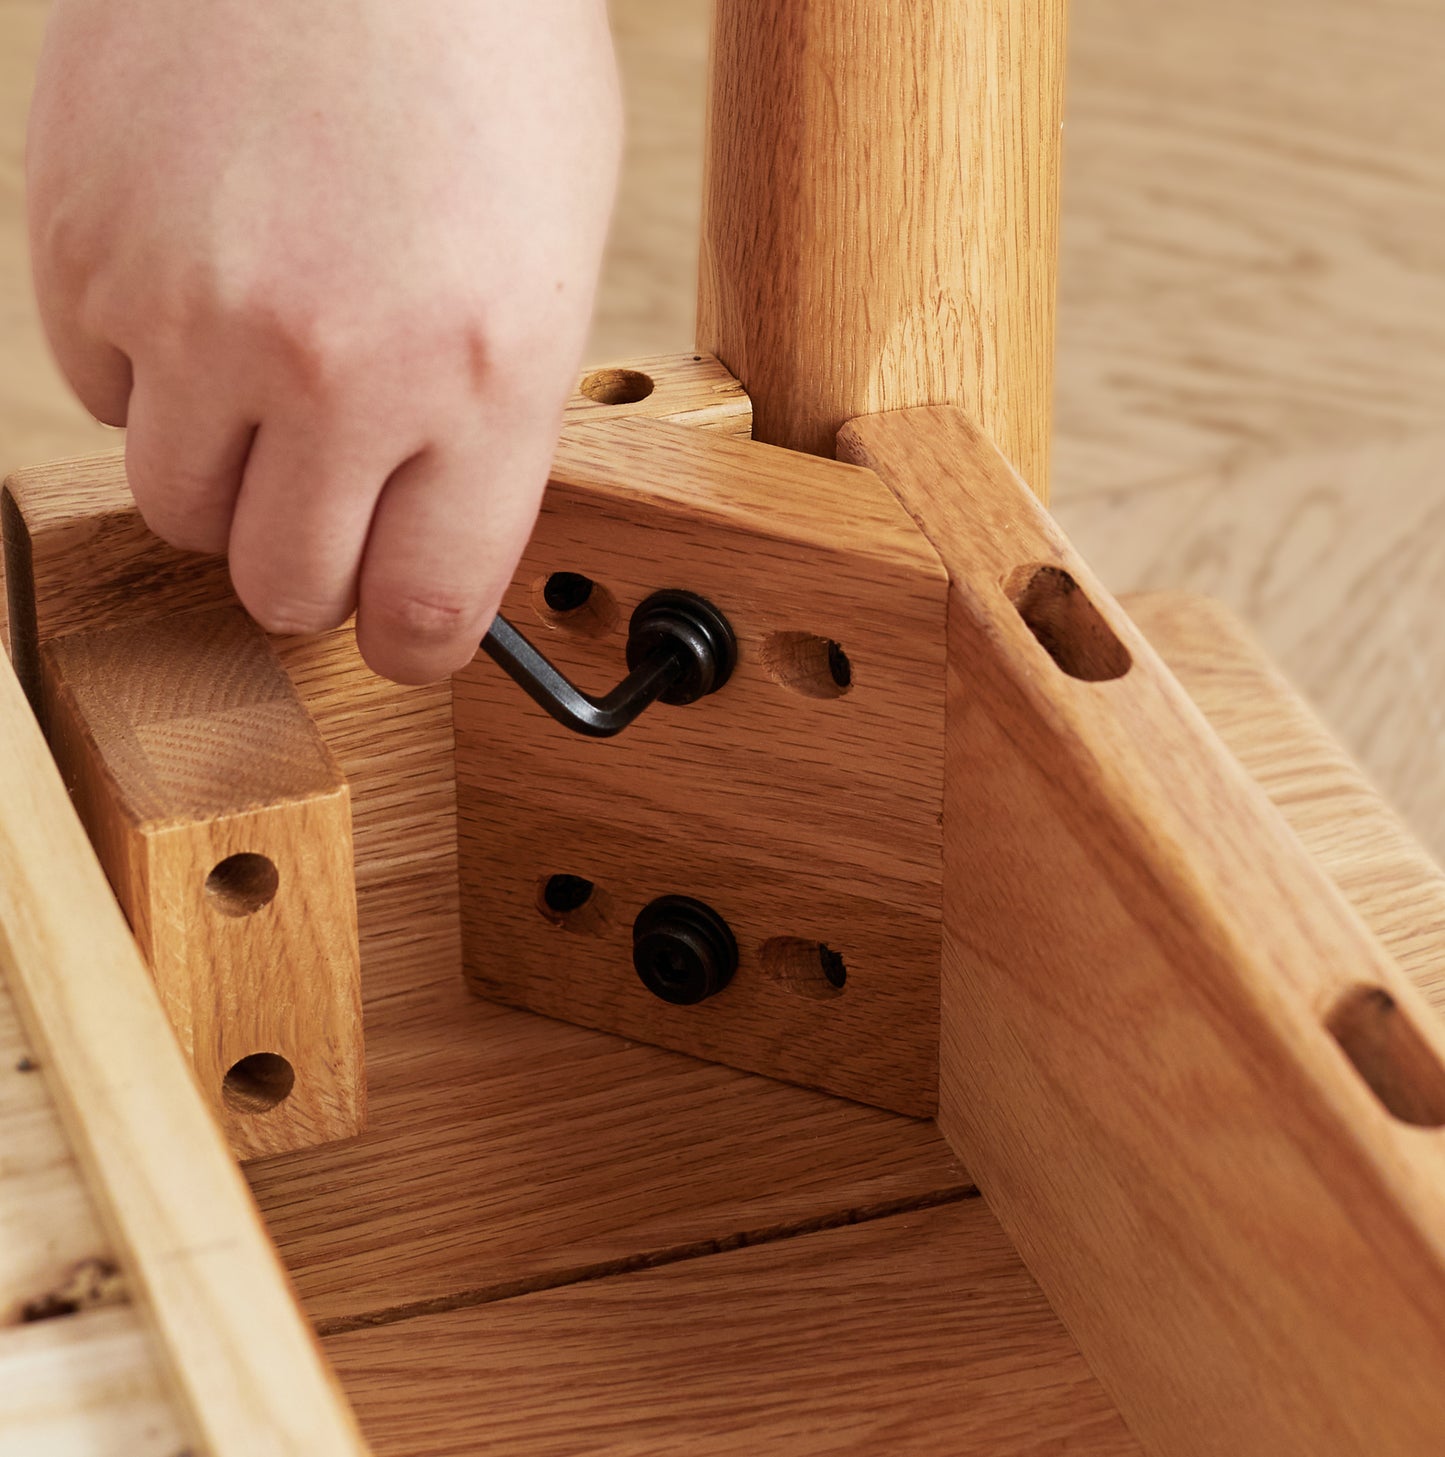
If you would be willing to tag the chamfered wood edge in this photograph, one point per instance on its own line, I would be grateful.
(242, 1361)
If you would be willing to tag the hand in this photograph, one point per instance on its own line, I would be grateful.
(332, 264)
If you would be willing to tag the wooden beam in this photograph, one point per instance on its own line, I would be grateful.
(241, 1359)
(1201, 1097)
(881, 213)
(225, 828)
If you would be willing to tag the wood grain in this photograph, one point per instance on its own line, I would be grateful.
(921, 1334)
(804, 810)
(240, 1360)
(507, 1153)
(518, 1154)
(1141, 967)
(85, 1386)
(880, 224)
(224, 827)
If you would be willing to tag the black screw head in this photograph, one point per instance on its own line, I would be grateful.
(692, 626)
(683, 950)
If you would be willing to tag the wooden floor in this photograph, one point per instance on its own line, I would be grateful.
(1252, 403)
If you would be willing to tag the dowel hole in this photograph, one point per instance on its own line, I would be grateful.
(242, 884)
(572, 902)
(572, 602)
(816, 667)
(617, 386)
(1394, 1060)
(258, 1083)
(810, 969)
(1066, 624)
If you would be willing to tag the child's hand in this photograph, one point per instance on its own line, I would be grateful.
(332, 263)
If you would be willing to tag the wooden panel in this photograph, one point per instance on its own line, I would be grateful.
(84, 1386)
(1143, 970)
(225, 828)
(921, 1333)
(800, 802)
(881, 218)
(238, 1356)
(507, 1153)
(48, 1224)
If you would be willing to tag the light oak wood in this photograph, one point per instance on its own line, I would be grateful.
(918, 1334)
(85, 1386)
(224, 826)
(236, 1353)
(1143, 971)
(880, 225)
(801, 802)
(531, 1155)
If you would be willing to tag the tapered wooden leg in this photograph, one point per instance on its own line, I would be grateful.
(881, 213)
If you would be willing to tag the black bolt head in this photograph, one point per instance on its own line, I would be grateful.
(683, 950)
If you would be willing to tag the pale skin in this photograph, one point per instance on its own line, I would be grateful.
(332, 265)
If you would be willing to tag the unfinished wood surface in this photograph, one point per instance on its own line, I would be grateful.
(880, 224)
(224, 826)
(81, 560)
(85, 1386)
(800, 802)
(235, 1351)
(1198, 1093)
(80, 1374)
(921, 1333)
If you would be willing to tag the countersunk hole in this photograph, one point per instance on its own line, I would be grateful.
(575, 603)
(241, 884)
(1067, 625)
(816, 667)
(573, 902)
(808, 968)
(1397, 1064)
(617, 386)
(258, 1083)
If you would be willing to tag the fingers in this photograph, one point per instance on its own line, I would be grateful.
(445, 540)
(99, 373)
(185, 453)
(301, 519)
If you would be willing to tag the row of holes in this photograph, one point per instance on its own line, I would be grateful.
(809, 968)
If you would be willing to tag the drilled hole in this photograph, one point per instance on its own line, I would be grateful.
(258, 1083)
(617, 386)
(241, 884)
(1395, 1061)
(573, 902)
(1067, 625)
(816, 667)
(565, 592)
(564, 893)
(575, 603)
(807, 968)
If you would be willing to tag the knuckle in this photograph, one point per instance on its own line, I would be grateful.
(436, 618)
